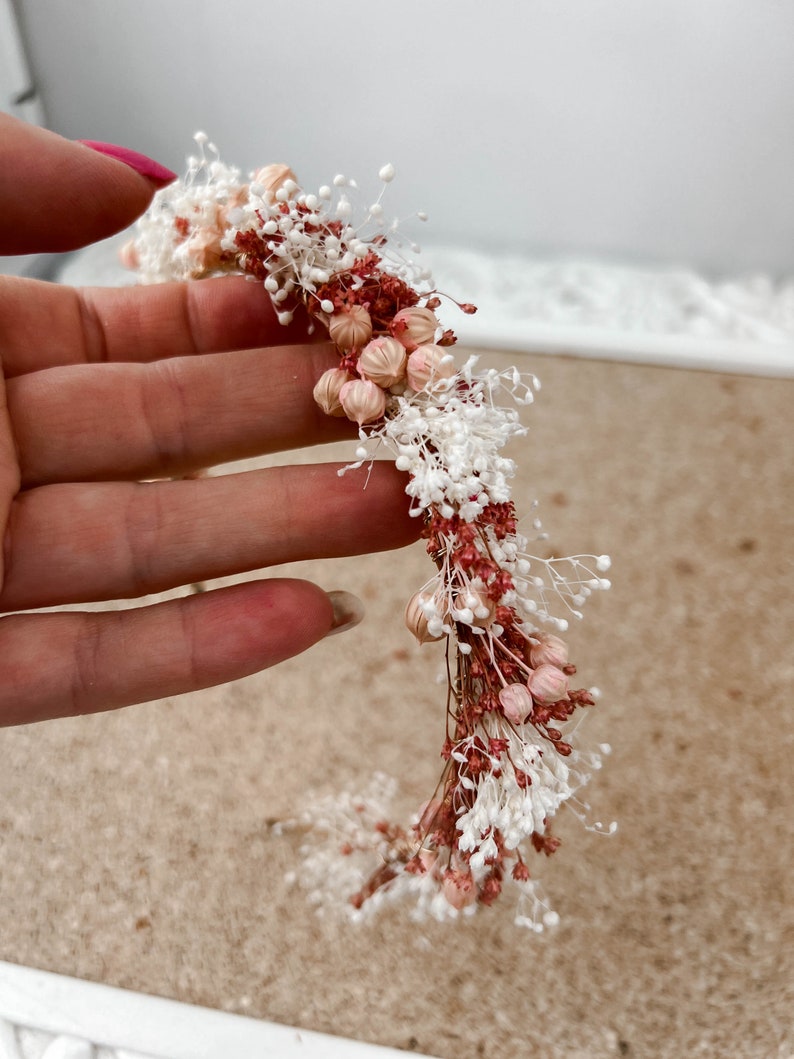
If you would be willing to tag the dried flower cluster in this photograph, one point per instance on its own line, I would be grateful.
(510, 759)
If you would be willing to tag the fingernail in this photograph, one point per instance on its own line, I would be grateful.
(147, 167)
(348, 611)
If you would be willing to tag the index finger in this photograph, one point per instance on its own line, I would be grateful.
(56, 195)
(44, 325)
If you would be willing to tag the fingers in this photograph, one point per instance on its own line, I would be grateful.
(57, 195)
(158, 420)
(80, 543)
(103, 661)
(43, 325)
(9, 471)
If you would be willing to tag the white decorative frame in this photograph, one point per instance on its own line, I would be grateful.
(673, 317)
(47, 1016)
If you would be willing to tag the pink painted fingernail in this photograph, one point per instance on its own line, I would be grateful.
(147, 167)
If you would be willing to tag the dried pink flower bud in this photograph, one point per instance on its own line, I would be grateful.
(428, 858)
(128, 255)
(350, 328)
(548, 684)
(326, 391)
(416, 619)
(272, 177)
(425, 368)
(550, 651)
(383, 362)
(203, 250)
(458, 888)
(414, 326)
(237, 196)
(363, 401)
(234, 200)
(516, 702)
(428, 812)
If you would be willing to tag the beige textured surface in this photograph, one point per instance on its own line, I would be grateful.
(135, 849)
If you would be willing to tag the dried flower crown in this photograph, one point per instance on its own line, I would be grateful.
(510, 753)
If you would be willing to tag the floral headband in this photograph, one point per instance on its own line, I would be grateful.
(510, 754)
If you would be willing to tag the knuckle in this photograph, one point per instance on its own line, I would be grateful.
(166, 413)
(143, 530)
(87, 670)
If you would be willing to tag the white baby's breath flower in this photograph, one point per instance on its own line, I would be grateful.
(512, 754)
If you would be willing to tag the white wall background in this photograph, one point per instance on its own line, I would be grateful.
(647, 130)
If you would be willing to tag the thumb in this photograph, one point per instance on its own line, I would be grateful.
(58, 195)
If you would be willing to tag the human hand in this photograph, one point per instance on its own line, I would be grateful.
(101, 390)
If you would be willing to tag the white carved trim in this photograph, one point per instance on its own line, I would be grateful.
(672, 317)
(47, 1016)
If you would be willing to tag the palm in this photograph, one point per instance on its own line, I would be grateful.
(104, 390)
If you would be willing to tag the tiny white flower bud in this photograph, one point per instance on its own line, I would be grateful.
(548, 684)
(383, 362)
(363, 401)
(386, 174)
(429, 366)
(351, 328)
(326, 391)
(475, 604)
